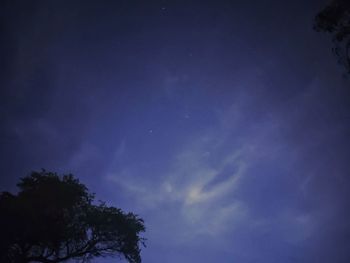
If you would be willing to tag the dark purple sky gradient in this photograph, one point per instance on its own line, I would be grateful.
(224, 124)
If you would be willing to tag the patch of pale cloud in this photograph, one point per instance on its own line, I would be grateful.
(191, 185)
(85, 154)
(146, 196)
(299, 226)
(120, 150)
(205, 209)
(209, 220)
(198, 194)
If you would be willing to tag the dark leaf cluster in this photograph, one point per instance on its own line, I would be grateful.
(54, 219)
(335, 19)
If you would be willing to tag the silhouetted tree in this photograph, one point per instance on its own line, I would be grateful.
(54, 219)
(335, 19)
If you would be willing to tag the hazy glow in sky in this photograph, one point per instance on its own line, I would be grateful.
(225, 125)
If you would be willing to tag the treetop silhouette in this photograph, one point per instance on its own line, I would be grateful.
(54, 218)
(335, 19)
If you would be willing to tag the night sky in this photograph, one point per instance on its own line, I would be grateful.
(224, 124)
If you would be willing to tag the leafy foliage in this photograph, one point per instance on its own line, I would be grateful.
(53, 219)
(335, 19)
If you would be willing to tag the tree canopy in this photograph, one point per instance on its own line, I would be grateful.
(54, 218)
(335, 19)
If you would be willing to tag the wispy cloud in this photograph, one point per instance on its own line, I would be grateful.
(197, 188)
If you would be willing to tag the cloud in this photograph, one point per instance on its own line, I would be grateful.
(196, 190)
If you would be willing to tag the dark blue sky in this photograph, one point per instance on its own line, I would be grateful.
(224, 124)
